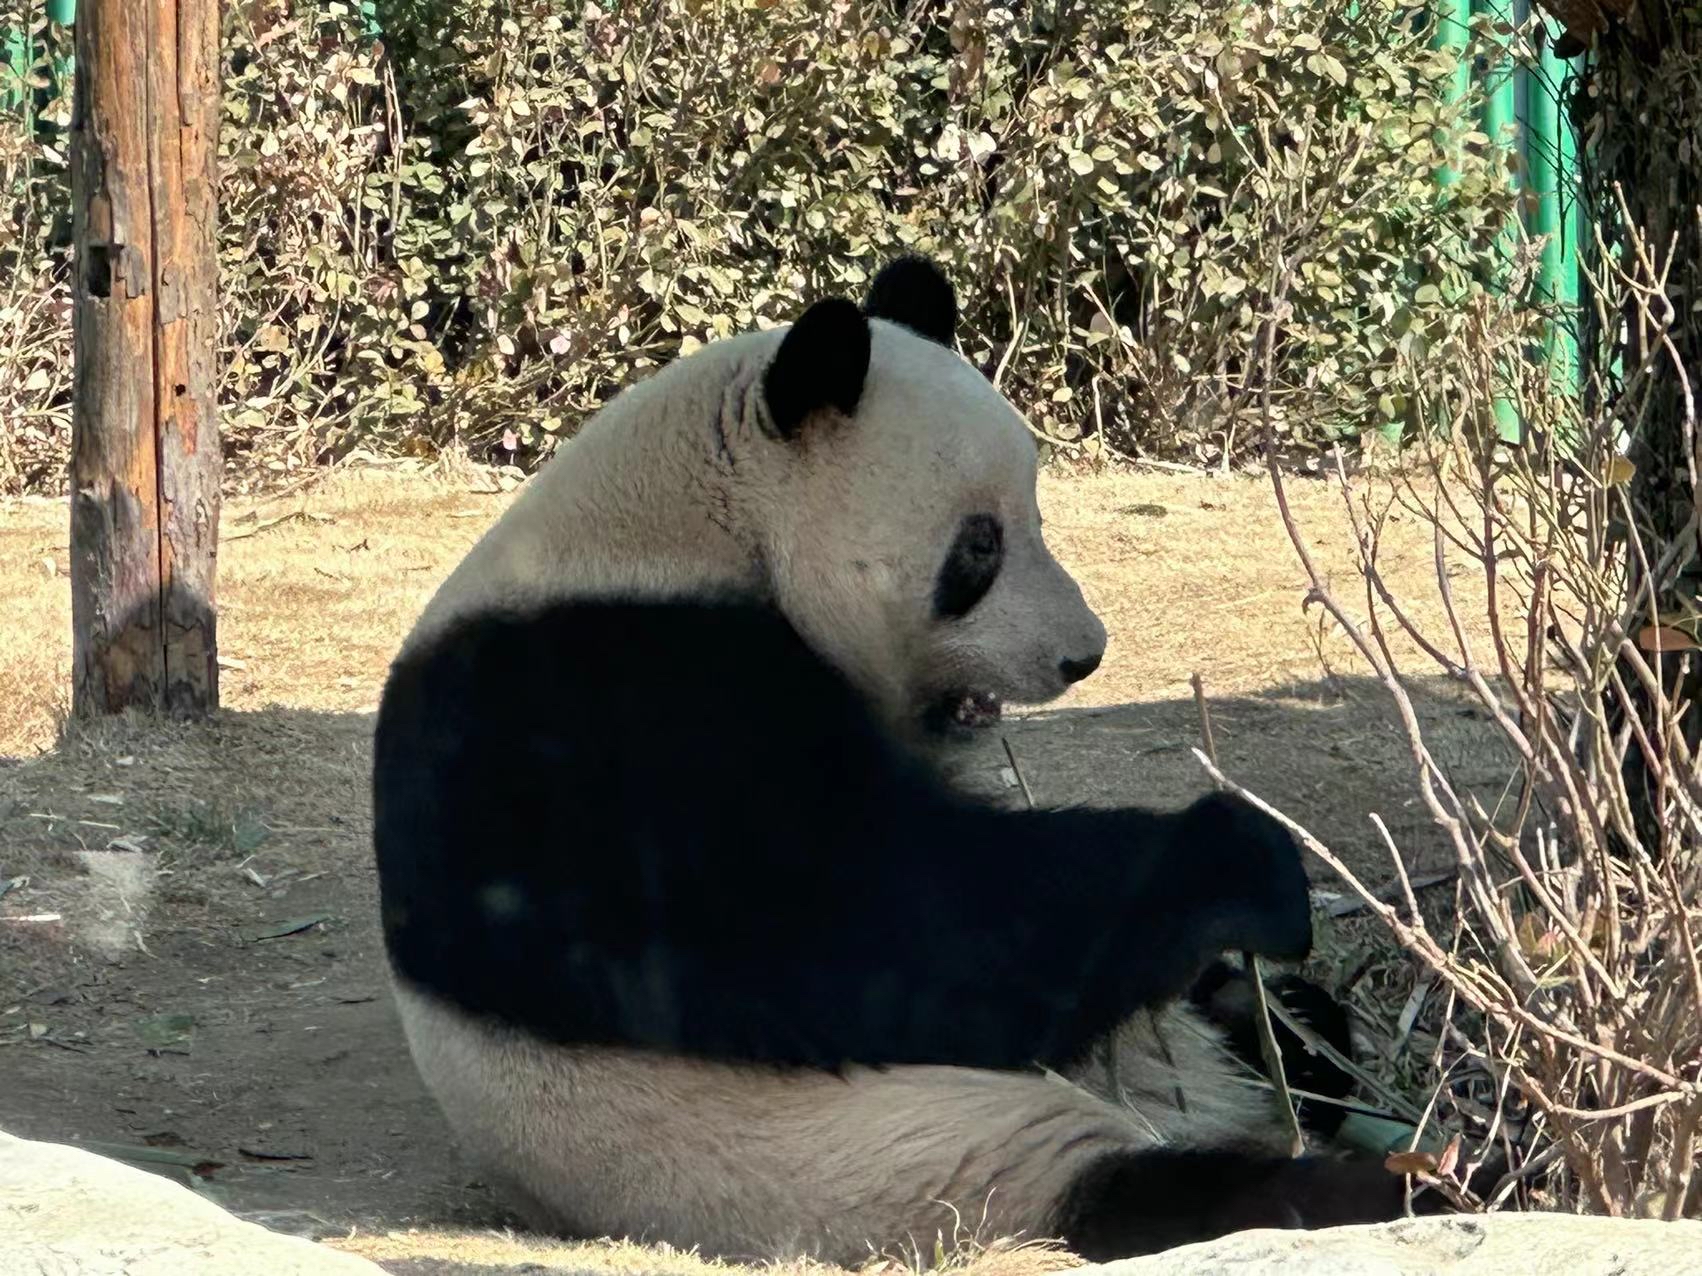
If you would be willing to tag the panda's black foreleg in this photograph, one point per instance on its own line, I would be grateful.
(730, 857)
(1144, 1202)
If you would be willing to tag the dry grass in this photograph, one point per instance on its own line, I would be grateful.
(310, 607)
(487, 1250)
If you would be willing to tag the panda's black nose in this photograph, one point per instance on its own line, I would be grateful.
(1076, 670)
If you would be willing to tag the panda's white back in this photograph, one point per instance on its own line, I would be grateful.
(620, 506)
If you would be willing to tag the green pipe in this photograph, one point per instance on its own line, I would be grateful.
(1452, 30)
(1555, 156)
(18, 55)
(64, 14)
(1500, 120)
(1602, 352)
(1500, 92)
(1540, 130)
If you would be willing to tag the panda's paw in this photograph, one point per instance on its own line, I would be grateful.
(1159, 1198)
(1225, 995)
(1243, 870)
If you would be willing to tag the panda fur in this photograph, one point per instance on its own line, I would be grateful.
(690, 941)
(1225, 995)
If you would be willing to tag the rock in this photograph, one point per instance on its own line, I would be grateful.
(67, 1212)
(1490, 1245)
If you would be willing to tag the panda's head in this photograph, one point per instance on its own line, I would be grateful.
(892, 500)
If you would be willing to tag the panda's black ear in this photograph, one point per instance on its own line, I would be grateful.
(914, 291)
(822, 363)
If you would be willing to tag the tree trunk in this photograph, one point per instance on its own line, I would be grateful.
(145, 463)
(1639, 105)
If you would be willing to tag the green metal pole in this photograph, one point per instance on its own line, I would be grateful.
(1600, 344)
(1500, 92)
(1451, 31)
(1569, 184)
(1500, 121)
(18, 54)
(63, 13)
(1554, 182)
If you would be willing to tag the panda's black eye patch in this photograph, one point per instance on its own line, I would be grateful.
(971, 567)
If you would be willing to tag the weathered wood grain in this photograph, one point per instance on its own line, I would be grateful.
(145, 447)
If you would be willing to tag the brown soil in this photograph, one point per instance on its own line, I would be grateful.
(209, 985)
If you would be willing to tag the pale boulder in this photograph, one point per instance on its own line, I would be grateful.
(68, 1212)
(1493, 1245)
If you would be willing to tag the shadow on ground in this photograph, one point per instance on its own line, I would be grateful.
(202, 978)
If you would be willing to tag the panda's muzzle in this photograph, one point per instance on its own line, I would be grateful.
(959, 711)
(1028, 641)
(1074, 671)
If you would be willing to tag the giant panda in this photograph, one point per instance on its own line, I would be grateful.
(690, 940)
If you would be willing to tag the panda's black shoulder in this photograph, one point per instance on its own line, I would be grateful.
(614, 633)
(611, 710)
(621, 664)
(614, 800)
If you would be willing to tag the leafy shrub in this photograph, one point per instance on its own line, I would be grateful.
(475, 227)
(35, 298)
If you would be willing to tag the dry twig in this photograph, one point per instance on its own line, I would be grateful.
(1575, 981)
(1261, 1001)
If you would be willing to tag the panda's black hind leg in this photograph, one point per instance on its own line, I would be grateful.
(1224, 994)
(1144, 1202)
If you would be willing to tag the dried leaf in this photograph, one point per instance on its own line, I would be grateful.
(1665, 638)
(1536, 938)
(1421, 1163)
(1449, 1159)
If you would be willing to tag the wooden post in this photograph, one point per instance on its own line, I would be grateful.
(145, 462)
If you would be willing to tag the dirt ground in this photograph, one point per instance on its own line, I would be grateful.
(190, 968)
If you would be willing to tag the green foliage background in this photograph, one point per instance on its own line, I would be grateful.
(474, 228)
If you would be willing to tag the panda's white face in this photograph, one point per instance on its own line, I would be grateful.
(905, 542)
